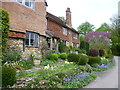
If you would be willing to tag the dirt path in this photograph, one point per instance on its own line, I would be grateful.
(106, 79)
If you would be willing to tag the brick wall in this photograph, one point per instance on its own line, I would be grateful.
(57, 29)
(23, 18)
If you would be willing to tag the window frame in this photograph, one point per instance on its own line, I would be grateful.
(31, 3)
(64, 31)
(36, 40)
(74, 35)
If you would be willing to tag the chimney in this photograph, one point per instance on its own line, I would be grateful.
(68, 17)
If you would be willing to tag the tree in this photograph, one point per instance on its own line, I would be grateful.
(98, 40)
(115, 35)
(62, 18)
(85, 28)
(104, 28)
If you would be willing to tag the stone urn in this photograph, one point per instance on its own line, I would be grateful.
(37, 62)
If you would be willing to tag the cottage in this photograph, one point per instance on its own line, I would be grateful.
(63, 30)
(31, 25)
(27, 25)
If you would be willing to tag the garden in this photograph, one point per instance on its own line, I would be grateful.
(55, 70)
(71, 67)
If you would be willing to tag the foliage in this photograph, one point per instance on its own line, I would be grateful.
(98, 40)
(102, 52)
(12, 55)
(45, 62)
(8, 76)
(82, 51)
(55, 77)
(104, 67)
(79, 80)
(16, 65)
(54, 56)
(26, 64)
(84, 46)
(63, 56)
(31, 57)
(21, 74)
(109, 56)
(5, 28)
(44, 48)
(108, 51)
(62, 18)
(94, 60)
(115, 35)
(104, 28)
(73, 57)
(83, 60)
(62, 47)
(93, 52)
(48, 54)
(85, 27)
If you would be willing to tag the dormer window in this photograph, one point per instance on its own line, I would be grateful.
(74, 35)
(28, 3)
(64, 31)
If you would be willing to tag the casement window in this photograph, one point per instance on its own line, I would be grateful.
(32, 39)
(28, 3)
(74, 35)
(74, 44)
(64, 31)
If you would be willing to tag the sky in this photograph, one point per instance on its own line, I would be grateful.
(94, 11)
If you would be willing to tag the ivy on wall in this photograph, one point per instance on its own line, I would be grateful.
(4, 29)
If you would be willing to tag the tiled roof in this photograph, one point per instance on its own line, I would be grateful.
(59, 21)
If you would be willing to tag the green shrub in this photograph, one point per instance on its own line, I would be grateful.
(109, 56)
(73, 57)
(101, 52)
(82, 51)
(4, 25)
(12, 55)
(83, 60)
(54, 56)
(8, 76)
(94, 65)
(109, 51)
(48, 54)
(94, 60)
(104, 61)
(63, 56)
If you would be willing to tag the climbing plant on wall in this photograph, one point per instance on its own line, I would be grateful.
(4, 29)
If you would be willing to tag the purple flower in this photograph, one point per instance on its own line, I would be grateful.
(21, 60)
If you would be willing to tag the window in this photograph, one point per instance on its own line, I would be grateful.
(64, 42)
(74, 35)
(32, 39)
(28, 3)
(74, 44)
(64, 31)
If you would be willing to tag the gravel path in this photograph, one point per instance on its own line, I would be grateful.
(106, 79)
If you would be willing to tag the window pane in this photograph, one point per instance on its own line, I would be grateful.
(32, 39)
(27, 38)
(36, 40)
(27, 3)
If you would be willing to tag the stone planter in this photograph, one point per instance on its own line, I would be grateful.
(36, 62)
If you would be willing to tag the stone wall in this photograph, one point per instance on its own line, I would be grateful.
(18, 44)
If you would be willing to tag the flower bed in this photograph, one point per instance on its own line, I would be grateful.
(104, 66)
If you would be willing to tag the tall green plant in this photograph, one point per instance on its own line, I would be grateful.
(4, 25)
